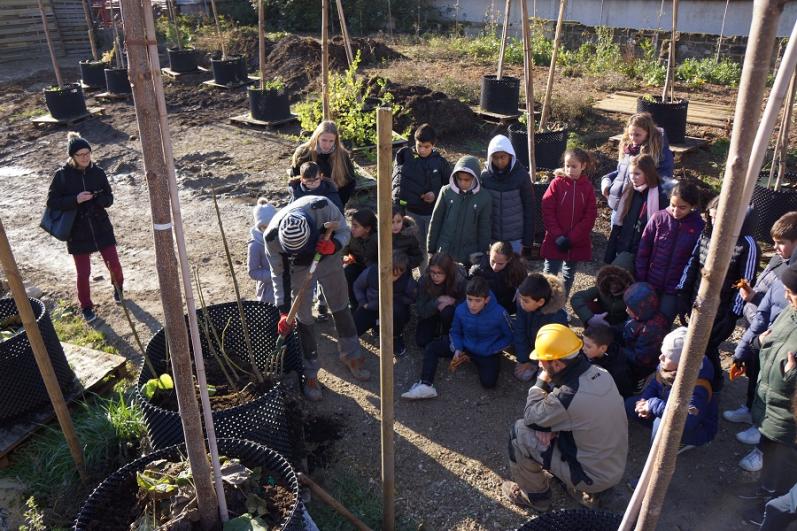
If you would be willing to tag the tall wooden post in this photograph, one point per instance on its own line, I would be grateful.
(669, 82)
(528, 78)
(504, 37)
(117, 41)
(40, 351)
(732, 207)
(90, 27)
(384, 160)
(173, 15)
(325, 58)
(56, 68)
(147, 115)
(261, 41)
(344, 30)
(218, 30)
(546, 103)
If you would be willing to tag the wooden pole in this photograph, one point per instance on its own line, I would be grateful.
(261, 41)
(546, 103)
(56, 68)
(173, 15)
(149, 126)
(528, 77)
(504, 37)
(218, 30)
(325, 58)
(90, 26)
(325, 497)
(384, 160)
(669, 82)
(732, 207)
(784, 132)
(185, 268)
(344, 30)
(40, 351)
(722, 31)
(116, 40)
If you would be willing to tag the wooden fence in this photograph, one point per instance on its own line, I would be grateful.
(22, 35)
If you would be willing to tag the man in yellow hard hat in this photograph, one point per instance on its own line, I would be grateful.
(574, 427)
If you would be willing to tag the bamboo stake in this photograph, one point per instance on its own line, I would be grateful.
(546, 103)
(325, 58)
(504, 37)
(116, 41)
(732, 207)
(149, 125)
(669, 82)
(40, 354)
(173, 15)
(261, 41)
(327, 498)
(722, 31)
(345, 32)
(206, 328)
(384, 131)
(784, 132)
(218, 30)
(528, 78)
(56, 68)
(179, 235)
(90, 26)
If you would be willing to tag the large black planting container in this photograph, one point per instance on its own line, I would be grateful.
(669, 116)
(65, 102)
(266, 419)
(21, 386)
(111, 507)
(117, 81)
(229, 71)
(269, 105)
(549, 146)
(769, 205)
(92, 73)
(500, 96)
(182, 61)
(574, 519)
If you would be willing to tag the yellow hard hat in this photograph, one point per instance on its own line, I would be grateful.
(554, 342)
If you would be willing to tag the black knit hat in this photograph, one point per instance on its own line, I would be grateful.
(75, 143)
(789, 277)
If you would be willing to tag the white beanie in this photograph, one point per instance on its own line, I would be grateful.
(294, 231)
(262, 212)
(673, 344)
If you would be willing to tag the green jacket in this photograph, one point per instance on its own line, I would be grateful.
(772, 411)
(461, 224)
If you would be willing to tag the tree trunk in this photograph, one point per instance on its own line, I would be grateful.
(669, 82)
(325, 58)
(546, 104)
(504, 36)
(528, 78)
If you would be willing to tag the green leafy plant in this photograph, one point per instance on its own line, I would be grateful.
(163, 382)
(276, 83)
(696, 72)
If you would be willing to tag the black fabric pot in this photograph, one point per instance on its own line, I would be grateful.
(500, 95)
(769, 205)
(268, 105)
(182, 61)
(65, 102)
(266, 419)
(574, 519)
(21, 386)
(92, 73)
(549, 146)
(111, 506)
(229, 71)
(117, 81)
(669, 116)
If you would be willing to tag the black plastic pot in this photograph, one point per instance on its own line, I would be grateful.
(229, 71)
(268, 105)
(769, 205)
(182, 61)
(500, 96)
(65, 102)
(117, 81)
(92, 73)
(669, 116)
(572, 519)
(266, 419)
(21, 386)
(549, 146)
(111, 507)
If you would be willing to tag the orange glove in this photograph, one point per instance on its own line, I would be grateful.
(736, 371)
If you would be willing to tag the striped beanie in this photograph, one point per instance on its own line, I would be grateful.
(294, 231)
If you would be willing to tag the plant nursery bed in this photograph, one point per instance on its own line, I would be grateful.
(92, 369)
(691, 143)
(48, 119)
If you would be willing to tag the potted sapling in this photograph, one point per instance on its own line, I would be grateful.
(116, 77)
(92, 71)
(227, 70)
(182, 59)
(499, 93)
(268, 102)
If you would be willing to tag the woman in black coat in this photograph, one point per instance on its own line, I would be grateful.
(81, 185)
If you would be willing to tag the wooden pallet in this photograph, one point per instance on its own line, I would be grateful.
(49, 120)
(212, 83)
(690, 144)
(699, 112)
(93, 369)
(112, 96)
(247, 120)
(183, 76)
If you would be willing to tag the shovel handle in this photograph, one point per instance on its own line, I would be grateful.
(300, 294)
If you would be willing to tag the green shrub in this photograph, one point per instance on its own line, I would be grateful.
(697, 72)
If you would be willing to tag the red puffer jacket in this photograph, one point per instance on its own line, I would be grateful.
(569, 209)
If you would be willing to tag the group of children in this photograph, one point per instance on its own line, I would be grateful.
(468, 230)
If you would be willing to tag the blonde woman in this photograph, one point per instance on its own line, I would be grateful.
(324, 148)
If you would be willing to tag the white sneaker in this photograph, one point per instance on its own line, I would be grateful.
(749, 436)
(753, 461)
(419, 391)
(741, 415)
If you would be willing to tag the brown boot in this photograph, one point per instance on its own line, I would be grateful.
(312, 389)
(356, 367)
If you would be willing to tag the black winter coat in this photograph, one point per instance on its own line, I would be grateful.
(92, 230)
(499, 283)
(407, 242)
(414, 176)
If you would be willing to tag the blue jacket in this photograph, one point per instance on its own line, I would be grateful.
(481, 334)
(528, 323)
(326, 189)
(771, 305)
(703, 424)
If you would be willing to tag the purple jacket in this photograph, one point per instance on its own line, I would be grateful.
(665, 248)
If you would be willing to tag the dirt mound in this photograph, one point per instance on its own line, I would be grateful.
(448, 116)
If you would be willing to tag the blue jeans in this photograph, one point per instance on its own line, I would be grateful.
(568, 269)
(486, 366)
